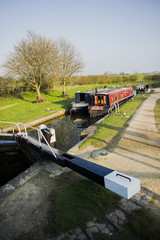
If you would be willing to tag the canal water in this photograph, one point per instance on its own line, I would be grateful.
(68, 129)
(12, 163)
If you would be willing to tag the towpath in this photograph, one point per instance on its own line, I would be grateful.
(138, 151)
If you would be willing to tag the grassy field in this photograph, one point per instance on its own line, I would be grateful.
(111, 129)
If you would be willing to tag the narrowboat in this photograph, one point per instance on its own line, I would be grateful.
(142, 89)
(104, 102)
(100, 102)
(83, 100)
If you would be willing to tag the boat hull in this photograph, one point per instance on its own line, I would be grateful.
(97, 113)
(101, 111)
(78, 110)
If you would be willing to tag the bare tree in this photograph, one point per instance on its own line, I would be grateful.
(34, 60)
(69, 62)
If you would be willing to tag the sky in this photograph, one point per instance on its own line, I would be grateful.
(111, 35)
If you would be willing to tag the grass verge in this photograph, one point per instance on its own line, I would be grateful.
(157, 112)
(111, 129)
(79, 202)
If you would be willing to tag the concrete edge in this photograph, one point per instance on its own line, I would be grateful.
(18, 181)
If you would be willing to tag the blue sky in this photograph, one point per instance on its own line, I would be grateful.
(111, 35)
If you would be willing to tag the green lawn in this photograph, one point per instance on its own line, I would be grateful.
(26, 110)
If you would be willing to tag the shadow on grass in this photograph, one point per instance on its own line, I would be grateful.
(65, 103)
(103, 125)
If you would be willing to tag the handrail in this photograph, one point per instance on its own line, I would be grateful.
(25, 126)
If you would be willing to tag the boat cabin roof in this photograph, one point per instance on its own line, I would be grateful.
(112, 91)
(103, 90)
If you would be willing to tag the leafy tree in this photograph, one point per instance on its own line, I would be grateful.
(34, 60)
(69, 62)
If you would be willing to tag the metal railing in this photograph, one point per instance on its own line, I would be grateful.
(24, 126)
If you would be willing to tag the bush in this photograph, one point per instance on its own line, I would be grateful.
(103, 79)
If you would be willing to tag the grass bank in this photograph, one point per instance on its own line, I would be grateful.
(157, 112)
(111, 129)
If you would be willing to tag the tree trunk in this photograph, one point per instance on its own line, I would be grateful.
(64, 87)
(38, 91)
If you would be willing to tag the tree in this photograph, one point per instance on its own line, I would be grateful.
(69, 62)
(34, 60)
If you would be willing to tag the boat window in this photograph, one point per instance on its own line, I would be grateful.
(105, 100)
(82, 97)
(121, 95)
(116, 97)
(112, 98)
(87, 98)
(96, 100)
(100, 101)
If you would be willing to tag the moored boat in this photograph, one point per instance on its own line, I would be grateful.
(100, 101)
(83, 100)
(142, 89)
(104, 102)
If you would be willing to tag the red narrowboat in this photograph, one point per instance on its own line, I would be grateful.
(104, 102)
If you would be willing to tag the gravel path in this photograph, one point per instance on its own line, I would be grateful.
(138, 151)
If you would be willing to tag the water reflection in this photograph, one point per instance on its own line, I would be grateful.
(66, 133)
